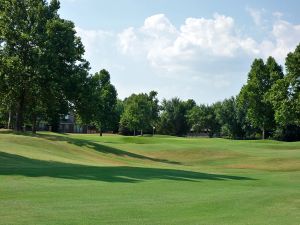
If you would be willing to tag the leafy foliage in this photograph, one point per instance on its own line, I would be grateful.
(173, 116)
(104, 101)
(42, 65)
(140, 112)
(203, 118)
(259, 111)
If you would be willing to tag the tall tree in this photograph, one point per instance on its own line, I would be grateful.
(41, 60)
(259, 110)
(152, 97)
(20, 22)
(285, 97)
(104, 102)
(64, 67)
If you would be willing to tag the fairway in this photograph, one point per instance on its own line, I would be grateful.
(76, 179)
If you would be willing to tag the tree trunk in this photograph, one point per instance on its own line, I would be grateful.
(34, 124)
(141, 132)
(19, 121)
(100, 131)
(263, 133)
(9, 119)
(16, 127)
(20, 114)
(55, 122)
(133, 132)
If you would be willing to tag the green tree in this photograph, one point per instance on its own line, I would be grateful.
(140, 112)
(285, 96)
(274, 70)
(173, 119)
(42, 68)
(259, 110)
(203, 118)
(227, 114)
(20, 35)
(119, 109)
(152, 98)
(104, 102)
(65, 69)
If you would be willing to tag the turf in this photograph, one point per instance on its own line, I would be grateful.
(86, 179)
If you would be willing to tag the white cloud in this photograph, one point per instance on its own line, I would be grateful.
(217, 36)
(168, 48)
(257, 15)
(93, 40)
(277, 15)
(200, 41)
(128, 40)
(286, 37)
(204, 58)
(100, 49)
(158, 25)
(282, 36)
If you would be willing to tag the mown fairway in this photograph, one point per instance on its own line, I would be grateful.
(87, 179)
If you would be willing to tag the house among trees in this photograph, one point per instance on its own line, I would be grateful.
(68, 125)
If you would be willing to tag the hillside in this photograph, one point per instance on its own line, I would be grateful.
(86, 179)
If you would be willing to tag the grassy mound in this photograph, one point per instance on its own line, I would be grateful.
(86, 179)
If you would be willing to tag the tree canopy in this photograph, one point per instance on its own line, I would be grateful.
(42, 64)
(140, 112)
(260, 80)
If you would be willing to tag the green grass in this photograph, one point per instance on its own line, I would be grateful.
(86, 179)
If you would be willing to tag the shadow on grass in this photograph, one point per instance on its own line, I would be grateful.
(90, 144)
(11, 164)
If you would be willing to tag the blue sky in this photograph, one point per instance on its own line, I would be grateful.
(188, 49)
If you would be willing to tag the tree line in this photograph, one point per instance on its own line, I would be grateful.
(44, 76)
(268, 106)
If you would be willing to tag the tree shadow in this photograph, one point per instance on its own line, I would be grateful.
(93, 145)
(11, 164)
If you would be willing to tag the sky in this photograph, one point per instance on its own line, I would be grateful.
(191, 49)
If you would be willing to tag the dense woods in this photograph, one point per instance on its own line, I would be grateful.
(44, 77)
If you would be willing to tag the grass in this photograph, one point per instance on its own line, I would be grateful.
(86, 179)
